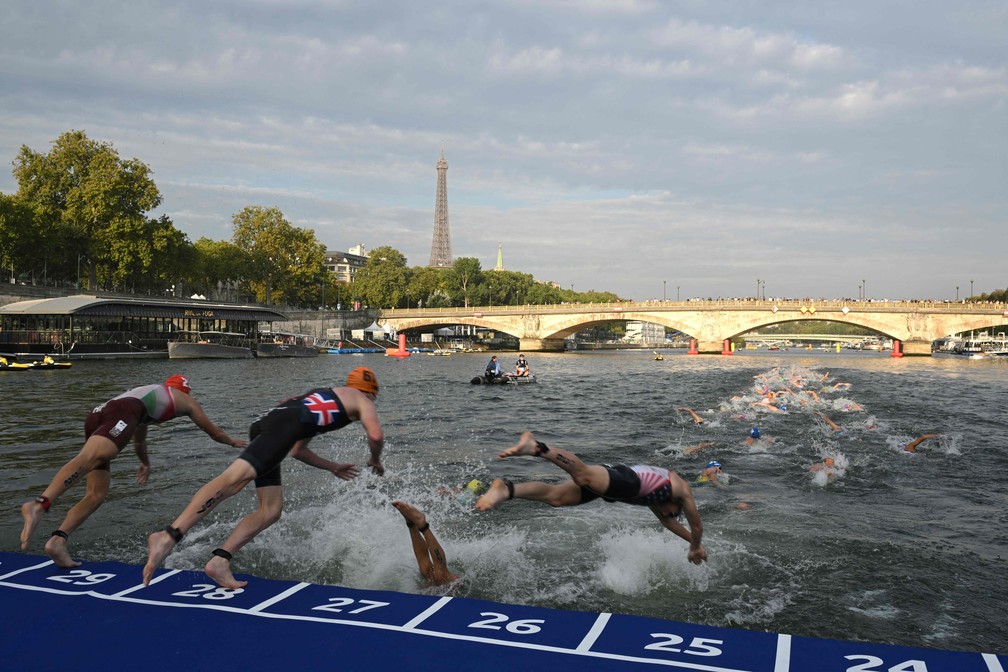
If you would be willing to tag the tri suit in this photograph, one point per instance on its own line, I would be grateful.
(273, 435)
(640, 484)
(118, 418)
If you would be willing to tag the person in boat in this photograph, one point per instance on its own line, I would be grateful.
(667, 494)
(285, 428)
(107, 430)
(430, 556)
(493, 369)
(521, 366)
(912, 445)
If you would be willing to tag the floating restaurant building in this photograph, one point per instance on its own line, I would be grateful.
(92, 327)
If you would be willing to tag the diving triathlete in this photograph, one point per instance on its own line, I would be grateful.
(107, 430)
(665, 493)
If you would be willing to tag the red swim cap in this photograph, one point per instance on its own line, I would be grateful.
(179, 383)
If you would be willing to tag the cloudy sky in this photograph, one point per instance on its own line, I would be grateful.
(649, 148)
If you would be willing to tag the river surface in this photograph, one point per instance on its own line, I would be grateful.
(905, 548)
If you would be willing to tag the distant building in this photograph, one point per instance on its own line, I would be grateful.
(644, 332)
(344, 265)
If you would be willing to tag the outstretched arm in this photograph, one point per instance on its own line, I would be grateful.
(192, 408)
(303, 453)
(912, 446)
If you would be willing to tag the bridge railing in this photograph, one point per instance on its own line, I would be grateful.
(855, 305)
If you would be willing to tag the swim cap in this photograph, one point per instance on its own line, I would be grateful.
(783, 407)
(474, 486)
(180, 383)
(363, 379)
(713, 463)
(828, 461)
(754, 433)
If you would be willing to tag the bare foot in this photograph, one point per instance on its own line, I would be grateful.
(160, 545)
(31, 512)
(56, 547)
(497, 493)
(219, 569)
(411, 513)
(526, 446)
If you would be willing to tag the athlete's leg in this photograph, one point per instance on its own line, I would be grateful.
(97, 490)
(270, 507)
(96, 450)
(567, 493)
(415, 519)
(592, 476)
(229, 482)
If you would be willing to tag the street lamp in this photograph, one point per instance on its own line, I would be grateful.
(663, 295)
(957, 292)
(677, 292)
(971, 289)
(864, 284)
(763, 291)
(757, 287)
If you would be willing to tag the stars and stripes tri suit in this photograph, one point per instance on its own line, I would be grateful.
(640, 484)
(118, 418)
(273, 435)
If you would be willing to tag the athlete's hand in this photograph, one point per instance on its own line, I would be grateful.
(376, 466)
(697, 555)
(344, 471)
(143, 473)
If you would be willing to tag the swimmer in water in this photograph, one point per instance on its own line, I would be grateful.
(835, 427)
(912, 446)
(696, 417)
(756, 437)
(697, 448)
(430, 556)
(827, 467)
(709, 476)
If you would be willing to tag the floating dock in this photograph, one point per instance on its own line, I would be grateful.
(99, 616)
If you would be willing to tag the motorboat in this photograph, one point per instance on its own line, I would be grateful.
(282, 344)
(210, 345)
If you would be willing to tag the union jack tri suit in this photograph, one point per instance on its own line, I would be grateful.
(274, 434)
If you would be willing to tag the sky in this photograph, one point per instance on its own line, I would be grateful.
(654, 149)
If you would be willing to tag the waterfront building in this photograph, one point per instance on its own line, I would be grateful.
(91, 327)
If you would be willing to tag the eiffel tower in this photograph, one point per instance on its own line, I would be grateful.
(440, 253)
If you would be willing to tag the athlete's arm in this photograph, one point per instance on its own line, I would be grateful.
(192, 408)
(681, 489)
(368, 417)
(140, 446)
(303, 453)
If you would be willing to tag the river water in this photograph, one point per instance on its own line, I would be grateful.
(900, 548)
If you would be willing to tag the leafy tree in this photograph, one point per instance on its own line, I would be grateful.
(465, 275)
(21, 239)
(285, 262)
(424, 283)
(83, 190)
(383, 281)
(220, 265)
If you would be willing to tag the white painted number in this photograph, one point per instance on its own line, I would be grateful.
(337, 604)
(872, 664)
(209, 591)
(81, 577)
(700, 646)
(524, 626)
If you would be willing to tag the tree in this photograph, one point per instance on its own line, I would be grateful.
(20, 236)
(85, 192)
(285, 261)
(384, 280)
(220, 265)
(465, 274)
(426, 282)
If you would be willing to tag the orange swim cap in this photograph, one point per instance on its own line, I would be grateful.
(828, 461)
(363, 379)
(180, 383)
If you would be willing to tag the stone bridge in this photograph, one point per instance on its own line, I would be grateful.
(912, 325)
